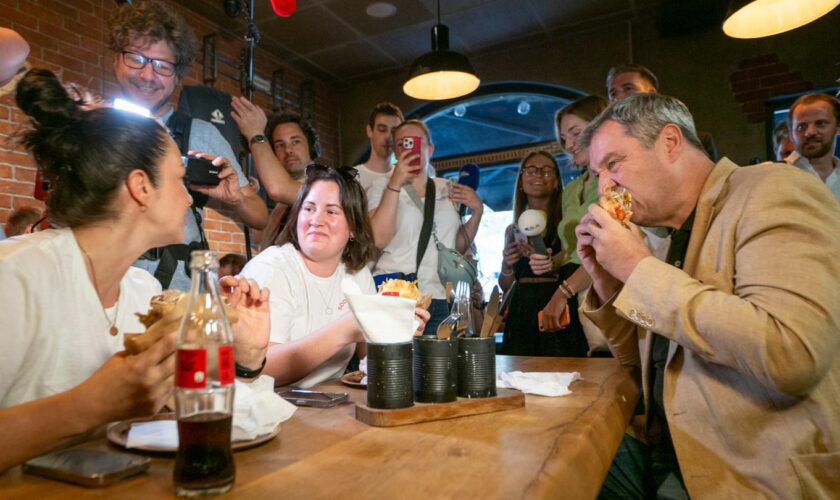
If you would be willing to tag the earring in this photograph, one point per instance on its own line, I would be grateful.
(142, 208)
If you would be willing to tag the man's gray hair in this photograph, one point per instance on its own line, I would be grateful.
(643, 117)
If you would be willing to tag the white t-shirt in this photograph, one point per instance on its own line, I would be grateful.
(301, 302)
(400, 256)
(368, 177)
(53, 330)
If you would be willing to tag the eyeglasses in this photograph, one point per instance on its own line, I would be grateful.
(316, 170)
(531, 171)
(139, 61)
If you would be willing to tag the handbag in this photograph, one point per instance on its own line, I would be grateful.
(452, 266)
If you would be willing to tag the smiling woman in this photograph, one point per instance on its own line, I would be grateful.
(321, 255)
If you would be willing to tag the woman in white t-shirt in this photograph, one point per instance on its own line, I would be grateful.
(397, 221)
(69, 294)
(321, 255)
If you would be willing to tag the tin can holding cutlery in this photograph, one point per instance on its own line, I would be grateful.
(476, 367)
(389, 384)
(435, 370)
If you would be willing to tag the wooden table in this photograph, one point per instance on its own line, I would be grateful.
(552, 448)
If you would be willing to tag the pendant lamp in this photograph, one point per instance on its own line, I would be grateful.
(759, 18)
(441, 73)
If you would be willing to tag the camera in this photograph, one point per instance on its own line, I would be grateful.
(201, 171)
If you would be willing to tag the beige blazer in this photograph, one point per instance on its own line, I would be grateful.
(752, 383)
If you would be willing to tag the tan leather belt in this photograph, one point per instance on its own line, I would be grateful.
(537, 280)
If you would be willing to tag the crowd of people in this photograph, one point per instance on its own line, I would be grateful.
(720, 290)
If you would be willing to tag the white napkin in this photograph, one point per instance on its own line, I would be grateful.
(384, 319)
(539, 383)
(256, 411)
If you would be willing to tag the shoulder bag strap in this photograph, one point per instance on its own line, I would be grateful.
(428, 209)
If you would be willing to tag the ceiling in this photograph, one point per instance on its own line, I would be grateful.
(338, 42)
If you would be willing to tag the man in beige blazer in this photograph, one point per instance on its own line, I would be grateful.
(737, 335)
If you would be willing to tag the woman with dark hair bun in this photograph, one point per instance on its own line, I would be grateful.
(320, 256)
(70, 293)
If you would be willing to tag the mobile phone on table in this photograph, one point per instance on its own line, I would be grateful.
(87, 467)
(412, 143)
(318, 399)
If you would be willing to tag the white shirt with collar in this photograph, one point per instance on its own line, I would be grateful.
(833, 179)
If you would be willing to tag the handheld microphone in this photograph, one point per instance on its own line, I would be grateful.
(532, 223)
(284, 8)
(469, 175)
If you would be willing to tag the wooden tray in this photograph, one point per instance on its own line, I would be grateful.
(506, 399)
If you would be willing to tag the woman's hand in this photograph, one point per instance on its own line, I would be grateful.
(403, 172)
(228, 190)
(541, 264)
(422, 316)
(512, 253)
(465, 195)
(253, 330)
(130, 386)
(552, 314)
(249, 117)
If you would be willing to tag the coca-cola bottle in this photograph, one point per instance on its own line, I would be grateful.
(204, 386)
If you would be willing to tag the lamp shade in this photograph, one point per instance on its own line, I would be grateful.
(441, 73)
(759, 18)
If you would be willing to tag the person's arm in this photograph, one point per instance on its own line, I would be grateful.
(292, 361)
(13, 53)
(553, 311)
(384, 205)
(124, 387)
(274, 177)
(510, 255)
(465, 195)
(252, 331)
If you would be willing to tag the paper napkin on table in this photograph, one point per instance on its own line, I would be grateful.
(256, 411)
(384, 319)
(539, 383)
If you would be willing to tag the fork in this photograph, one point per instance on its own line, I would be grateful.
(462, 306)
(448, 325)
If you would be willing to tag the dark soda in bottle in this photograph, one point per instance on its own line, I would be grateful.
(204, 386)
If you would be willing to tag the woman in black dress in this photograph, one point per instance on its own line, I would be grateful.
(538, 187)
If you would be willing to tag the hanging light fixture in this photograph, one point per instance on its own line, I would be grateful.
(441, 73)
(759, 18)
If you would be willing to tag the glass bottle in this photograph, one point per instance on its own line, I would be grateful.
(204, 386)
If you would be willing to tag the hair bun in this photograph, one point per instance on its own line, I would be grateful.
(42, 96)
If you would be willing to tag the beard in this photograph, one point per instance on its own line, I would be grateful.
(814, 149)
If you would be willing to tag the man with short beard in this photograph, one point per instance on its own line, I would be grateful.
(153, 49)
(815, 122)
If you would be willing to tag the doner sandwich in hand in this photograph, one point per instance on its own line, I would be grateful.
(164, 316)
(618, 204)
(406, 290)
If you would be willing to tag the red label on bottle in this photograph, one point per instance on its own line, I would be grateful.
(227, 372)
(191, 369)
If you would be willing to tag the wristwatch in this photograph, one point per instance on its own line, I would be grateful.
(258, 139)
(243, 372)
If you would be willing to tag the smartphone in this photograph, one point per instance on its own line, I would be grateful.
(201, 171)
(87, 467)
(318, 399)
(412, 143)
(565, 319)
(518, 235)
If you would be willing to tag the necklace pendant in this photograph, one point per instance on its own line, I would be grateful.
(328, 311)
(113, 331)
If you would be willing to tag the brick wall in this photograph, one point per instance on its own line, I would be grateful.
(69, 37)
(760, 78)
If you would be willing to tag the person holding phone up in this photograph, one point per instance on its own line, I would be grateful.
(69, 294)
(397, 221)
